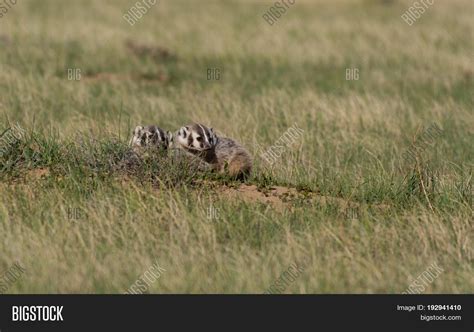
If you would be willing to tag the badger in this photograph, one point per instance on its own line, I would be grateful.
(223, 154)
(149, 136)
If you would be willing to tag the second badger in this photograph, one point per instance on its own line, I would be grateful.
(223, 154)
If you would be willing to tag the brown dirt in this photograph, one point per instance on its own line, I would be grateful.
(37, 174)
(281, 198)
(278, 197)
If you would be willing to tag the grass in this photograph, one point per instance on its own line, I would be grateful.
(79, 219)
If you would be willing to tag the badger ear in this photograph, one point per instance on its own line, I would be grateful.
(184, 131)
(137, 130)
(170, 139)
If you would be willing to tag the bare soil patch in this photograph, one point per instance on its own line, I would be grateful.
(282, 198)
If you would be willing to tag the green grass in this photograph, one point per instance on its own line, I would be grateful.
(81, 220)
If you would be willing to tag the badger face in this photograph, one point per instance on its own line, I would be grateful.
(149, 136)
(135, 140)
(196, 137)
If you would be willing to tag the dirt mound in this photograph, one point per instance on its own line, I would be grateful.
(37, 174)
(282, 198)
(279, 198)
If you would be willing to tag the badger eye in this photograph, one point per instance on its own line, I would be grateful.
(199, 139)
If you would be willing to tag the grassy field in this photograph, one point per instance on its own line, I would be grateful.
(342, 202)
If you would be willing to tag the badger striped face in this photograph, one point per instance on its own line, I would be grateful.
(149, 136)
(196, 137)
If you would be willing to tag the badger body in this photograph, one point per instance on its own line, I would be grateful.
(223, 154)
(230, 157)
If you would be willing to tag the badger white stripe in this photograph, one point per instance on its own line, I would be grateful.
(204, 132)
(161, 137)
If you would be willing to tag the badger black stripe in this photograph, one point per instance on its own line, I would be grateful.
(161, 135)
(190, 139)
(199, 130)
